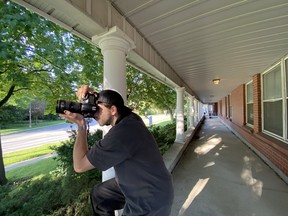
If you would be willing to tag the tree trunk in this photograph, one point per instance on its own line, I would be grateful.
(3, 179)
(170, 113)
(8, 95)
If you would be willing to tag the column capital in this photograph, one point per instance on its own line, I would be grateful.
(180, 89)
(114, 39)
(191, 97)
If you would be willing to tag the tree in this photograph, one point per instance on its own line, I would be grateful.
(3, 179)
(38, 59)
(42, 59)
(144, 92)
(37, 109)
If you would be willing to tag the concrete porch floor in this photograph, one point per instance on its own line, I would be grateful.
(218, 175)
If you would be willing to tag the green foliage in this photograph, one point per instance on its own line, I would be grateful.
(145, 93)
(42, 167)
(26, 154)
(164, 135)
(40, 59)
(62, 192)
(11, 114)
(45, 195)
(30, 197)
(65, 153)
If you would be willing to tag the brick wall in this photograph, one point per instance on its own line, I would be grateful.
(273, 151)
(223, 107)
(228, 106)
(238, 105)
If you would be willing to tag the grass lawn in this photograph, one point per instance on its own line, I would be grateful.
(164, 123)
(42, 167)
(27, 154)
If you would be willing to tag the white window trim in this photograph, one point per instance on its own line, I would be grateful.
(246, 104)
(285, 109)
(273, 100)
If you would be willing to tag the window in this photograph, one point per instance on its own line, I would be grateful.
(249, 104)
(272, 101)
(229, 107)
(286, 69)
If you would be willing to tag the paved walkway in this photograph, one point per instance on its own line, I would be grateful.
(219, 175)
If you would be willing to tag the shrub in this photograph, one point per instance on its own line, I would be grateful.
(65, 153)
(60, 193)
(11, 114)
(164, 136)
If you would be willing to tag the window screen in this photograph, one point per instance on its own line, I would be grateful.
(272, 101)
(249, 104)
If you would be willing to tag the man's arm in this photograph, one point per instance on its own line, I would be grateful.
(80, 160)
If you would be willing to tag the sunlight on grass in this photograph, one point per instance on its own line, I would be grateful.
(42, 167)
(18, 156)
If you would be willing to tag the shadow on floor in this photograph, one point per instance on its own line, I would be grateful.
(218, 175)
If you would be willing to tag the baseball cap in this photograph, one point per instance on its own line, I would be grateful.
(110, 97)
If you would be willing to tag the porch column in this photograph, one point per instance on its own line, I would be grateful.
(180, 115)
(195, 112)
(114, 45)
(191, 112)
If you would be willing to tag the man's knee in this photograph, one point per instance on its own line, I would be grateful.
(97, 193)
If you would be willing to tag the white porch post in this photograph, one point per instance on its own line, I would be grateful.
(195, 112)
(180, 115)
(114, 45)
(191, 112)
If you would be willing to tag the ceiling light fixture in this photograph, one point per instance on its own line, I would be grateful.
(216, 81)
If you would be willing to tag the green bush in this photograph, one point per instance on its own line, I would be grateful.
(164, 136)
(62, 192)
(11, 114)
(65, 153)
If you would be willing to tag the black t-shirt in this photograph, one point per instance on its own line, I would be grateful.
(131, 149)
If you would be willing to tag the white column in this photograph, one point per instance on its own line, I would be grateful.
(114, 45)
(195, 112)
(191, 112)
(180, 115)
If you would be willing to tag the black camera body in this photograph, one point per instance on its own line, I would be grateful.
(87, 108)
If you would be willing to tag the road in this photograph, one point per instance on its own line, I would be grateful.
(37, 137)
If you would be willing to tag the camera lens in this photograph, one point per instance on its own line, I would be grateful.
(87, 108)
(68, 105)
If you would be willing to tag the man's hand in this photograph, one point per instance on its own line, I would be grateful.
(73, 117)
(83, 91)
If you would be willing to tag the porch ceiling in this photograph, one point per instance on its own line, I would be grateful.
(201, 40)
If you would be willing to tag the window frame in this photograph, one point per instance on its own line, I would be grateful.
(246, 103)
(285, 96)
(284, 136)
